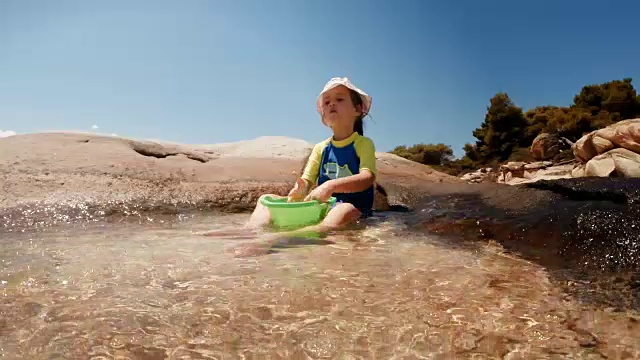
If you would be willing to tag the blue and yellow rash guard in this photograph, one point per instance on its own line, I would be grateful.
(331, 159)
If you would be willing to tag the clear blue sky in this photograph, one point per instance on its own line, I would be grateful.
(216, 71)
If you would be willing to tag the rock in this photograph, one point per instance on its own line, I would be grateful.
(513, 166)
(262, 147)
(578, 171)
(480, 175)
(618, 162)
(548, 173)
(547, 146)
(510, 170)
(108, 172)
(589, 225)
(514, 173)
(590, 222)
(601, 145)
(538, 165)
(611, 151)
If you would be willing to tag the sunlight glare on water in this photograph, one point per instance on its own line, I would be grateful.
(161, 292)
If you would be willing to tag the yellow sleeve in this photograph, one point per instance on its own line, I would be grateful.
(311, 170)
(366, 151)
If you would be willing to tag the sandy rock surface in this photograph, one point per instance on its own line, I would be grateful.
(79, 167)
(265, 146)
(48, 179)
(611, 151)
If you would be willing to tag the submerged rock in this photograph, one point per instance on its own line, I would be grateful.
(604, 221)
(586, 224)
(591, 222)
(585, 228)
(56, 178)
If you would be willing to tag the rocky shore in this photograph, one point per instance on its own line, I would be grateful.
(585, 231)
(49, 178)
(86, 175)
(613, 151)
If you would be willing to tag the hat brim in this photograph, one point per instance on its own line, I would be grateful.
(366, 99)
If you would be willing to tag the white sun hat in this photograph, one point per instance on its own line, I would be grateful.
(336, 81)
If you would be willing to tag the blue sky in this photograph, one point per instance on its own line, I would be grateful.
(217, 71)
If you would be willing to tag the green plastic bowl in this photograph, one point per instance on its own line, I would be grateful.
(296, 214)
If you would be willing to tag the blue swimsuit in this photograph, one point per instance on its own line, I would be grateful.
(331, 159)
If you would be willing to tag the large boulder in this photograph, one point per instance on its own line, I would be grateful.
(547, 146)
(611, 151)
(112, 174)
(617, 162)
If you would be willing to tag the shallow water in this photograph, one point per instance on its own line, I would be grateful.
(157, 291)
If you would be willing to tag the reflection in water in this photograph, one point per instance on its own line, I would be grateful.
(157, 291)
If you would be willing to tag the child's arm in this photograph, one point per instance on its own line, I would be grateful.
(354, 183)
(312, 168)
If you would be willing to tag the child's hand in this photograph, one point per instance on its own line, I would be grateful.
(298, 191)
(322, 193)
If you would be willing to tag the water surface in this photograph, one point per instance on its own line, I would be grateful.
(156, 290)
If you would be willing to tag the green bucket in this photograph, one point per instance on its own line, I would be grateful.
(296, 214)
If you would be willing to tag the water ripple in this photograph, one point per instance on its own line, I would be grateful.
(150, 291)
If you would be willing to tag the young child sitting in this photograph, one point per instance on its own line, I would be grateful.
(343, 166)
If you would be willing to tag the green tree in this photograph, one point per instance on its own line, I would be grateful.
(569, 122)
(501, 132)
(471, 152)
(615, 97)
(428, 154)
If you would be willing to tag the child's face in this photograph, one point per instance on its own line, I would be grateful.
(338, 109)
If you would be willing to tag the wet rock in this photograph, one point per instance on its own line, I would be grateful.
(584, 223)
(590, 226)
(494, 343)
(145, 352)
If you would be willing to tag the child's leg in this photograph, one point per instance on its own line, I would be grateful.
(259, 219)
(260, 216)
(341, 215)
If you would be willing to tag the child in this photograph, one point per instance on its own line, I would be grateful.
(343, 165)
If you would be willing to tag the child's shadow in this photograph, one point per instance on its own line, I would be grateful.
(291, 242)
